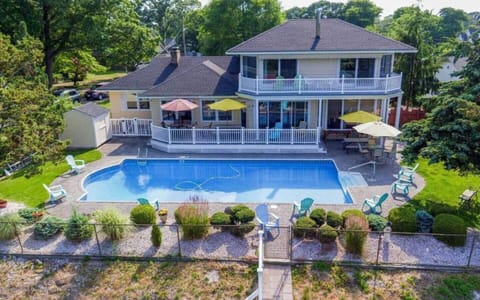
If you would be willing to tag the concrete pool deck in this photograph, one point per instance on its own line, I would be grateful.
(118, 149)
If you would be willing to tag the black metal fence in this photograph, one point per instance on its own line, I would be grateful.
(380, 248)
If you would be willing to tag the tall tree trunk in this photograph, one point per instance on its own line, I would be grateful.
(47, 46)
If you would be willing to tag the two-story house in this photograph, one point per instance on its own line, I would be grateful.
(295, 80)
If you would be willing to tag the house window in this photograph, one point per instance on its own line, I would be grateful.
(287, 68)
(134, 103)
(357, 67)
(288, 113)
(214, 115)
(249, 66)
(386, 65)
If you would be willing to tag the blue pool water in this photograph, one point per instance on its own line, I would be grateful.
(276, 181)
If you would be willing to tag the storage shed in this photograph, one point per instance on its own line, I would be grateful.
(87, 126)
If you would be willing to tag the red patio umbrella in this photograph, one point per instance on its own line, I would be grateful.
(179, 105)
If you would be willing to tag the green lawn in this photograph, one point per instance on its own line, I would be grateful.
(30, 191)
(93, 78)
(444, 186)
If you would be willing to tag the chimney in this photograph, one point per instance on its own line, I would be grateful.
(175, 55)
(318, 15)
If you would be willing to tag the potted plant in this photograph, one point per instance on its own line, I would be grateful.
(163, 215)
(3, 203)
(37, 215)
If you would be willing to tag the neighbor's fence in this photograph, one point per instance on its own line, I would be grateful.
(394, 249)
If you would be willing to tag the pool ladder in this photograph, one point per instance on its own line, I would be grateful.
(372, 162)
(142, 161)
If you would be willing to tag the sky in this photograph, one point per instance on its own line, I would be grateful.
(389, 6)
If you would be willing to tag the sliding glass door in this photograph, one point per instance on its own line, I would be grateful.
(288, 113)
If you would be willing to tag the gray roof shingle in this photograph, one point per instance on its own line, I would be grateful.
(160, 70)
(92, 109)
(203, 79)
(335, 36)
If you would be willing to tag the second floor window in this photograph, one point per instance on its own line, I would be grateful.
(357, 67)
(286, 68)
(249, 66)
(386, 65)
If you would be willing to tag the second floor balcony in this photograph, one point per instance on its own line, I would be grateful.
(321, 86)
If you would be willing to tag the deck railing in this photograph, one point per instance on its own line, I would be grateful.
(340, 85)
(239, 136)
(131, 127)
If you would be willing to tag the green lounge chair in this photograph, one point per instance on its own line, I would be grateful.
(375, 204)
(303, 208)
(55, 192)
(406, 173)
(144, 201)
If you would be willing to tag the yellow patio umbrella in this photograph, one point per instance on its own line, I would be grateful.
(360, 117)
(227, 105)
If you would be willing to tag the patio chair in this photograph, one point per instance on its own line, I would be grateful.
(406, 174)
(303, 208)
(267, 220)
(364, 152)
(55, 192)
(276, 132)
(76, 165)
(144, 201)
(375, 204)
(468, 196)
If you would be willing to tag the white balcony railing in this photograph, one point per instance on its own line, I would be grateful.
(131, 127)
(302, 85)
(241, 136)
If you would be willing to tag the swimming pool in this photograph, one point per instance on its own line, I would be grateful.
(242, 181)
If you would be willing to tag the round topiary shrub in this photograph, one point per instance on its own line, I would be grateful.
(403, 219)
(78, 228)
(304, 227)
(244, 215)
(334, 219)
(220, 219)
(48, 227)
(318, 215)
(349, 212)
(143, 214)
(436, 208)
(156, 236)
(241, 229)
(376, 222)
(326, 234)
(450, 224)
(424, 221)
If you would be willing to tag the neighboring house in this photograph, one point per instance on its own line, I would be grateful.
(300, 72)
(87, 126)
(450, 66)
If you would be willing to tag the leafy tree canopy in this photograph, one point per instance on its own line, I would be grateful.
(30, 117)
(361, 12)
(75, 65)
(230, 22)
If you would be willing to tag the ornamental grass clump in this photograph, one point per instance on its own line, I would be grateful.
(356, 232)
(48, 227)
(143, 214)
(78, 228)
(193, 218)
(113, 224)
(349, 212)
(10, 226)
